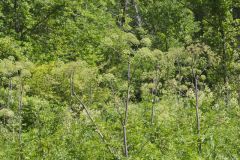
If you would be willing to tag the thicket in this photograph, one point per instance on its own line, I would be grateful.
(119, 79)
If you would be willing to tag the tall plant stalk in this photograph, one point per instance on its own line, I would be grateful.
(20, 157)
(126, 109)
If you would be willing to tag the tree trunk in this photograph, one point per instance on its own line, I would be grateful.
(166, 43)
(154, 94)
(16, 17)
(138, 17)
(153, 103)
(126, 112)
(72, 84)
(9, 99)
(197, 116)
(239, 97)
(9, 93)
(39, 135)
(20, 122)
(125, 9)
(225, 68)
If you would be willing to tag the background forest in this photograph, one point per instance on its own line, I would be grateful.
(120, 79)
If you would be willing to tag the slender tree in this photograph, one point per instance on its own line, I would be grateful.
(125, 5)
(138, 17)
(20, 105)
(154, 93)
(199, 59)
(126, 108)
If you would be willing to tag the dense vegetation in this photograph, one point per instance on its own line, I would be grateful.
(120, 79)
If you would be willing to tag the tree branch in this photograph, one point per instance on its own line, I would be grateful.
(44, 19)
(73, 93)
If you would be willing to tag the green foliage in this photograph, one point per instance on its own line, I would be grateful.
(66, 68)
(10, 47)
